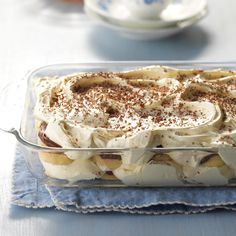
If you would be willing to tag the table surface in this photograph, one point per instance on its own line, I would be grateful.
(31, 37)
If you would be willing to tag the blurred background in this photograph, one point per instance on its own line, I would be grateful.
(40, 32)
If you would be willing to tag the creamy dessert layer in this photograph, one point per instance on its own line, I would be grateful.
(154, 106)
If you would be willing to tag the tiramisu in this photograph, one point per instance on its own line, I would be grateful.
(154, 106)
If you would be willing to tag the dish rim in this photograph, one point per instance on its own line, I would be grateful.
(93, 65)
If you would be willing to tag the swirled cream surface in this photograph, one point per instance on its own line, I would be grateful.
(148, 107)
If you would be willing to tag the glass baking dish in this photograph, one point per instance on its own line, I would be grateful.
(40, 159)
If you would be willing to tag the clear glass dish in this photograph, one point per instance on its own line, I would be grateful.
(35, 154)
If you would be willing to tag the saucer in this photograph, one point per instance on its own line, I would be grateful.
(177, 12)
(143, 34)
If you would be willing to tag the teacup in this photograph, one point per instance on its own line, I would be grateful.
(146, 9)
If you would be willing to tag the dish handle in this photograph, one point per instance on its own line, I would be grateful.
(11, 105)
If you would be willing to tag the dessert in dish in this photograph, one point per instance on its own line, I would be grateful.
(154, 106)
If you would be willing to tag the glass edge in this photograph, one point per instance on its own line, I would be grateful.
(30, 74)
(157, 150)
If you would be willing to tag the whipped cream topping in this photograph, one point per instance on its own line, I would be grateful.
(148, 175)
(208, 176)
(148, 107)
(79, 169)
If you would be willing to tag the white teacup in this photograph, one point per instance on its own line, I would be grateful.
(146, 9)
